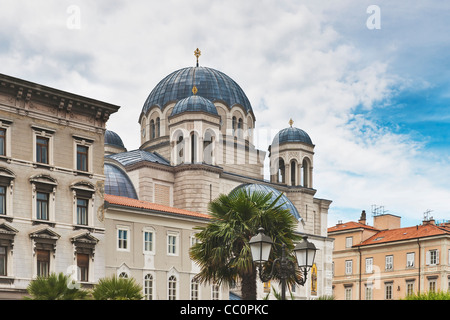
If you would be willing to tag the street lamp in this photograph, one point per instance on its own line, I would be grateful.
(305, 253)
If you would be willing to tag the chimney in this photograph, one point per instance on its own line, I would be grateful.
(362, 219)
(386, 221)
(429, 221)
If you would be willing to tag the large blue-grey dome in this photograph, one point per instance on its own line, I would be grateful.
(211, 84)
(113, 139)
(291, 134)
(117, 182)
(287, 204)
(196, 104)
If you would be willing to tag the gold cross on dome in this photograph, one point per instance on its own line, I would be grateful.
(291, 122)
(194, 90)
(197, 53)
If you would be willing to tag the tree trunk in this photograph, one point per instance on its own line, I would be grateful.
(248, 289)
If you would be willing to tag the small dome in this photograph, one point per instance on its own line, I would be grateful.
(211, 84)
(196, 104)
(287, 204)
(117, 182)
(113, 139)
(291, 134)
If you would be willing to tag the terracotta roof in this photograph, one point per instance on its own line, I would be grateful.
(405, 234)
(350, 225)
(134, 203)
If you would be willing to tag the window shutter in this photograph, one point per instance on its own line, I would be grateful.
(428, 258)
(437, 256)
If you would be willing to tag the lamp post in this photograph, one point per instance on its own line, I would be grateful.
(305, 253)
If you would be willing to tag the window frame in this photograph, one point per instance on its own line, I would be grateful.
(410, 259)
(174, 244)
(39, 206)
(348, 267)
(125, 242)
(149, 286)
(43, 264)
(172, 287)
(83, 269)
(47, 134)
(389, 291)
(369, 266)
(84, 142)
(389, 262)
(145, 241)
(3, 261)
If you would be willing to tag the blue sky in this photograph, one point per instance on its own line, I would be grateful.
(375, 102)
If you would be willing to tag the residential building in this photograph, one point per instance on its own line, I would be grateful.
(51, 185)
(386, 261)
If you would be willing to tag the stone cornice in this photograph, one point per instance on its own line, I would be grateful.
(24, 93)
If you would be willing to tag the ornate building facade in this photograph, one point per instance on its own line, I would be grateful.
(197, 129)
(51, 185)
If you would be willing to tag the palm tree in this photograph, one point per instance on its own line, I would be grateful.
(117, 288)
(54, 287)
(223, 252)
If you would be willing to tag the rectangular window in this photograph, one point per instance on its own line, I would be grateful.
(42, 206)
(215, 290)
(42, 147)
(43, 263)
(409, 288)
(348, 242)
(348, 293)
(83, 267)
(388, 291)
(432, 257)
(389, 263)
(148, 241)
(432, 285)
(410, 259)
(122, 236)
(369, 292)
(82, 212)
(82, 158)
(172, 244)
(2, 142)
(349, 267)
(2, 200)
(369, 265)
(3, 261)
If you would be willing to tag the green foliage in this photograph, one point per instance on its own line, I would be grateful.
(54, 287)
(223, 252)
(439, 295)
(116, 288)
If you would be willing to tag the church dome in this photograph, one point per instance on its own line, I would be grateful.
(211, 84)
(117, 182)
(291, 134)
(287, 204)
(113, 139)
(196, 104)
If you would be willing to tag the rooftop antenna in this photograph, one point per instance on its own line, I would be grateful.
(427, 216)
(378, 210)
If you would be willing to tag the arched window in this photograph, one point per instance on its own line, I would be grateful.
(194, 143)
(123, 275)
(172, 288)
(293, 173)
(208, 147)
(148, 287)
(306, 175)
(281, 171)
(180, 150)
(240, 127)
(234, 125)
(194, 289)
(152, 129)
(158, 127)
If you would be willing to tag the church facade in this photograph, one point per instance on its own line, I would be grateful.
(197, 129)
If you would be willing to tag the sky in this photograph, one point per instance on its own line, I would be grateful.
(367, 80)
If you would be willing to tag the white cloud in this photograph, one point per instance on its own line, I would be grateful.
(293, 61)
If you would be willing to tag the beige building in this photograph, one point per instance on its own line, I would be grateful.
(385, 261)
(51, 184)
(197, 133)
